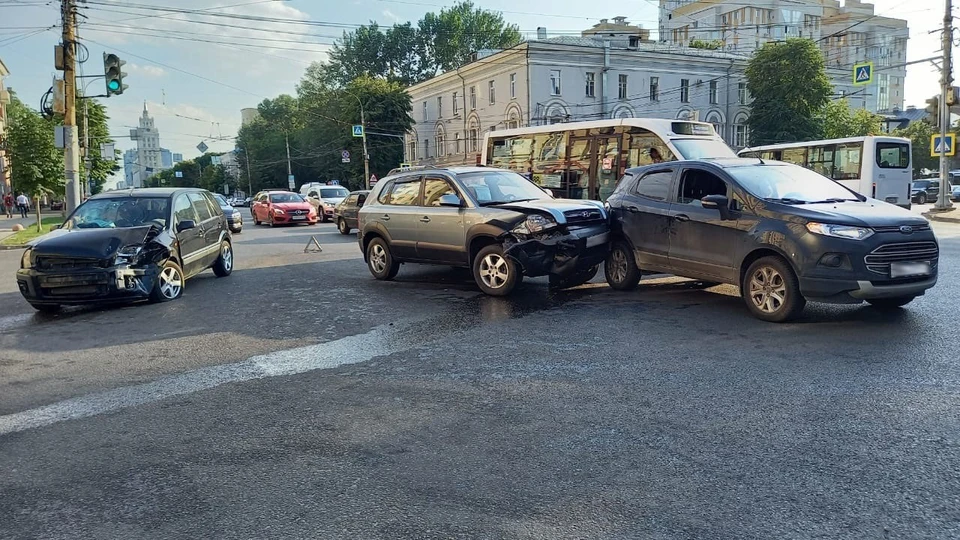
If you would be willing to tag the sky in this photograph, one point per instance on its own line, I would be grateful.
(195, 74)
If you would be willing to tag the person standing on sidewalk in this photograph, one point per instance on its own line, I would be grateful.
(8, 204)
(24, 204)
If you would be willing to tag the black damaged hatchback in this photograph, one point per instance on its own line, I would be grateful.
(123, 246)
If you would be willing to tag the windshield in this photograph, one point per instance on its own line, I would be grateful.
(493, 187)
(922, 184)
(222, 200)
(790, 184)
(892, 155)
(333, 193)
(702, 148)
(120, 213)
(285, 198)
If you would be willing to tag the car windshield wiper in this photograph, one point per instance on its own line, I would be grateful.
(491, 203)
(834, 200)
(786, 200)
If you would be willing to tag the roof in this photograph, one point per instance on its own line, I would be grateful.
(643, 46)
(144, 192)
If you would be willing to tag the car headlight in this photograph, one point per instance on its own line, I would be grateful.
(278, 211)
(235, 215)
(127, 254)
(328, 205)
(535, 223)
(26, 261)
(840, 231)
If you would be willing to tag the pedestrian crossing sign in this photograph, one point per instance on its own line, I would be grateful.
(862, 73)
(947, 144)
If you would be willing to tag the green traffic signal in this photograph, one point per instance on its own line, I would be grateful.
(113, 85)
(112, 74)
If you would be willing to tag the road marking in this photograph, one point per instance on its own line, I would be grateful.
(382, 340)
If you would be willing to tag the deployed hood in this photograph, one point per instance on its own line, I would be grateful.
(89, 243)
(554, 207)
(871, 213)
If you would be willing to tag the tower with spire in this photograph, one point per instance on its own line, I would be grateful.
(148, 156)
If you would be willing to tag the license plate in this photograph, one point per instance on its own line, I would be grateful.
(299, 217)
(909, 269)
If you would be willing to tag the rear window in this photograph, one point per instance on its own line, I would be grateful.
(892, 155)
(333, 193)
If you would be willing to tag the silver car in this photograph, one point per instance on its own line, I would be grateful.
(493, 221)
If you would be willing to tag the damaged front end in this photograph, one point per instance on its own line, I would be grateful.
(542, 246)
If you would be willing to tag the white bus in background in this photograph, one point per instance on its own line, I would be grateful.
(873, 166)
(584, 160)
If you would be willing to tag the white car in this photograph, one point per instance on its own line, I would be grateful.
(955, 192)
(324, 198)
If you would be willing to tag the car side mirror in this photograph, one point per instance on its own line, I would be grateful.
(450, 200)
(717, 202)
(186, 225)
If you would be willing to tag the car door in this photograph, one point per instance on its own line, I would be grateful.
(645, 217)
(440, 231)
(702, 243)
(191, 241)
(400, 215)
(209, 225)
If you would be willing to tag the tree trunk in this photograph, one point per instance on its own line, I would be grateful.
(39, 220)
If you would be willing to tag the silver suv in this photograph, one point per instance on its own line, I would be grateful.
(493, 221)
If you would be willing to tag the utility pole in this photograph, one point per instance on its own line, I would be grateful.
(366, 156)
(946, 87)
(71, 149)
(292, 184)
(87, 162)
(246, 156)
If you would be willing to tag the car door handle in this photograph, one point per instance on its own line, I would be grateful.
(385, 217)
(681, 217)
(633, 209)
(425, 219)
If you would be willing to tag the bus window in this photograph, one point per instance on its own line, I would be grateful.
(514, 153)
(772, 155)
(846, 161)
(819, 160)
(797, 156)
(578, 173)
(549, 159)
(891, 155)
(641, 141)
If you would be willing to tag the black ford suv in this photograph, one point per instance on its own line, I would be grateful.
(493, 221)
(121, 246)
(780, 232)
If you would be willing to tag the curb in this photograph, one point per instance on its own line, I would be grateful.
(10, 248)
(936, 216)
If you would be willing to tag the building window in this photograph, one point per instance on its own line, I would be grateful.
(742, 93)
(590, 89)
(424, 111)
(513, 86)
(439, 106)
(456, 104)
(740, 136)
(654, 88)
(883, 92)
(474, 136)
(492, 91)
(622, 87)
(554, 82)
(473, 98)
(412, 150)
(441, 149)
(713, 92)
(684, 90)
(426, 149)
(456, 142)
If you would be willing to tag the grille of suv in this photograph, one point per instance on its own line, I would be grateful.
(879, 259)
(896, 228)
(577, 217)
(48, 263)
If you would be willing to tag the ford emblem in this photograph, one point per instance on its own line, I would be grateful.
(906, 229)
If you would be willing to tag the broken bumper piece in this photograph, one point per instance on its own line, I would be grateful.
(559, 252)
(121, 283)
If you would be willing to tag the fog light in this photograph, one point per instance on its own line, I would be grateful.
(833, 260)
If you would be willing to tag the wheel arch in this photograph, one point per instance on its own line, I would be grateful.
(764, 251)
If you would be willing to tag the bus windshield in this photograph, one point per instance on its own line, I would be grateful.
(703, 148)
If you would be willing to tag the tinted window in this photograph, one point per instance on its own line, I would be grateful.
(384, 195)
(212, 203)
(361, 198)
(433, 189)
(351, 200)
(696, 185)
(893, 155)
(655, 185)
(199, 203)
(405, 193)
(183, 210)
(222, 200)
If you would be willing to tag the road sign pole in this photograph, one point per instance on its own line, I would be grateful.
(946, 81)
(366, 156)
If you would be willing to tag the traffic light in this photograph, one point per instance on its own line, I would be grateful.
(112, 74)
(933, 111)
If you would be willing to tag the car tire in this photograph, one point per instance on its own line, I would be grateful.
(169, 284)
(223, 267)
(495, 273)
(771, 290)
(620, 268)
(256, 221)
(380, 261)
(575, 280)
(891, 303)
(342, 227)
(921, 198)
(46, 308)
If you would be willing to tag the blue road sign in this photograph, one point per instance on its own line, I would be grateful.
(358, 131)
(863, 73)
(939, 144)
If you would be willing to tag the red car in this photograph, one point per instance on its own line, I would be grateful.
(282, 208)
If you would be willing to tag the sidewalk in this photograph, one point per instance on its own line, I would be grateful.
(6, 224)
(949, 216)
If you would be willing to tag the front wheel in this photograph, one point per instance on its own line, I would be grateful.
(380, 261)
(169, 285)
(224, 265)
(343, 227)
(921, 198)
(620, 268)
(891, 303)
(771, 290)
(494, 272)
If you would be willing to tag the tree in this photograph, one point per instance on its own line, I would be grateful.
(919, 133)
(839, 121)
(790, 88)
(714, 45)
(36, 165)
(452, 36)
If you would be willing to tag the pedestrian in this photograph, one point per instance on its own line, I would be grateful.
(24, 204)
(8, 204)
(655, 156)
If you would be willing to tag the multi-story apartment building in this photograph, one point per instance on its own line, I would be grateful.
(613, 71)
(847, 35)
(4, 100)
(148, 157)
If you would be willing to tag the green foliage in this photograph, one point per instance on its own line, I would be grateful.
(36, 165)
(839, 121)
(200, 172)
(714, 45)
(408, 55)
(790, 88)
(919, 134)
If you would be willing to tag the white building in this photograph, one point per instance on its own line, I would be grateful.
(847, 35)
(611, 74)
(148, 159)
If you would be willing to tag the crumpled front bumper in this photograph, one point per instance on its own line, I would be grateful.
(121, 283)
(559, 252)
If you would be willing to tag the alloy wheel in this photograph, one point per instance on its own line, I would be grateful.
(619, 266)
(378, 258)
(226, 255)
(768, 291)
(494, 271)
(170, 283)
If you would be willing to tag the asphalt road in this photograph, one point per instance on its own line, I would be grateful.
(299, 398)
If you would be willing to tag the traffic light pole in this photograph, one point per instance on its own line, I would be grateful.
(946, 82)
(71, 148)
